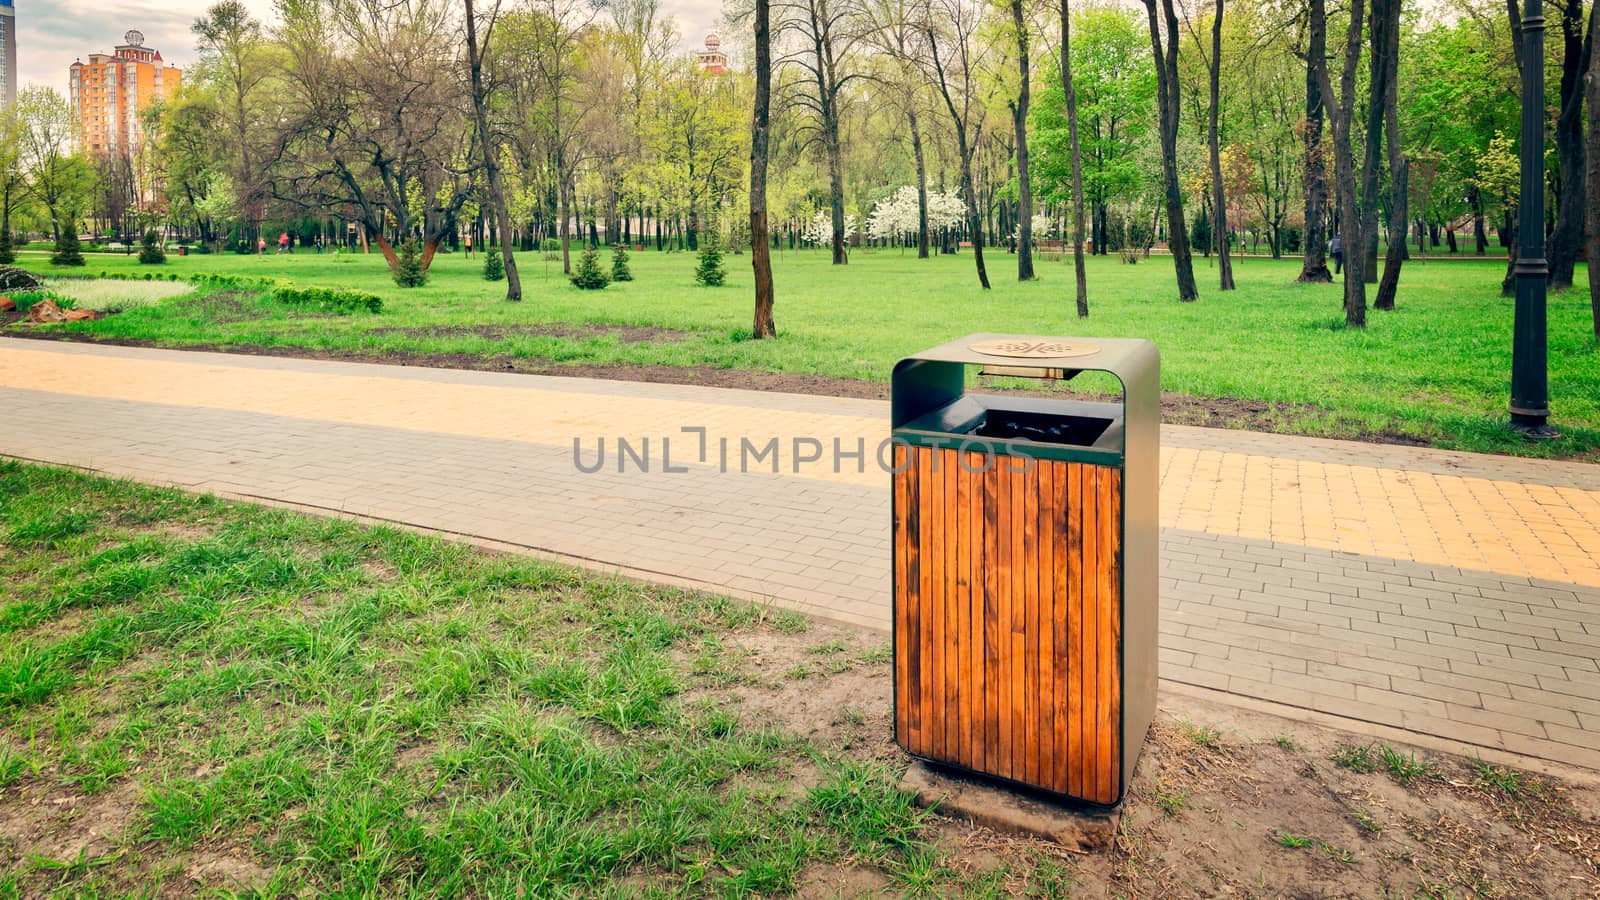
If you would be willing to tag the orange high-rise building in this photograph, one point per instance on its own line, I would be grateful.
(109, 93)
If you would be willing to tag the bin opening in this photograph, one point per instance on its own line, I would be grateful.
(1006, 424)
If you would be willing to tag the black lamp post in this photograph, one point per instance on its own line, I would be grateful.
(1530, 390)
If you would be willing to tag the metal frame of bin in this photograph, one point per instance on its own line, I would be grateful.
(934, 417)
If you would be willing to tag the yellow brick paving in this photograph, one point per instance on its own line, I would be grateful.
(1499, 526)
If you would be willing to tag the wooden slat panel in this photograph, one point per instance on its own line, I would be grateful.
(902, 553)
(973, 477)
(924, 593)
(1007, 610)
(1028, 624)
(1043, 623)
(991, 620)
(952, 610)
(1106, 699)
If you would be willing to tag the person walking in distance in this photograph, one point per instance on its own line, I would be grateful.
(469, 245)
(1336, 250)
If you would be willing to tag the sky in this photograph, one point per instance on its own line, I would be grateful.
(52, 33)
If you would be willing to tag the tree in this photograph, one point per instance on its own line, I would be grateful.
(1070, 94)
(476, 54)
(955, 74)
(373, 127)
(1314, 267)
(1399, 167)
(619, 264)
(1594, 168)
(760, 149)
(55, 177)
(493, 268)
(1566, 238)
(68, 251)
(150, 252)
(1019, 120)
(1214, 143)
(235, 64)
(827, 35)
(709, 271)
(589, 276)
(411, 272)
(1355, 297)
(12, 183)
(1167, 101)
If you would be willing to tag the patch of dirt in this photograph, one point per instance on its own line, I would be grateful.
(229, 869)
(230, 306)
(1225, 801)
(626, 334)
(37, 820)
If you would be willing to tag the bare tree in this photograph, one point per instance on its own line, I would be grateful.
(1355, 292)
(1019, 119)
(1566, 239)
(1314, 269)
(1399, 166)
(1168, 120)
(955, 73)
(893, 27)
(1594, 167)
(760, 143)
(1219, 190)
(476, 54)
(826, 35)
(1071, 92)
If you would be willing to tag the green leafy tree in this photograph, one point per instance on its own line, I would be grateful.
(494, 268)
(410, 273)
(589, 276)
(710, 272)
(68, 251)
(150, 252)
(619, 264)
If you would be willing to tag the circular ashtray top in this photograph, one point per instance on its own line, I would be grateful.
(1027, 348)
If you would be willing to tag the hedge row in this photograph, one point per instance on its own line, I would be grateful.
(329, 300)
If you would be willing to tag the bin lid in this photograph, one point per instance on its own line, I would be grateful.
(928, 380)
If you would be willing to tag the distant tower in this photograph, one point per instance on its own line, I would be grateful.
(712, 60)
(8, 53)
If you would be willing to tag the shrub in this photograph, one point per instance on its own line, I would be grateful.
(150, 252)
(619, 264)
(340, 302)
(494, 268)
(26, 299)
(410, 272)
(589, 277)
(551, 245)
(710, 272)
(68, 251)
(7, 250)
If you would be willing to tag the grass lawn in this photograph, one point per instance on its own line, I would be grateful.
(205, 696)
(1435, 370)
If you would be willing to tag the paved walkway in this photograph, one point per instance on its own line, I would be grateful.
(1442, 593)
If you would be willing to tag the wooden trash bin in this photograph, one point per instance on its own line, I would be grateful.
(1025, 565)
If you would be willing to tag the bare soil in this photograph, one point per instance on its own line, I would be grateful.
(1218, 794)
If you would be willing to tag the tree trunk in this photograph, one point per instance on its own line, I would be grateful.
(1019, 115)
(1399, 168)
(565, 226)
(491, 162)
(1214, 139)
(922, 185)
(760, 136)
(1080, 282)
(1378, 70)
(1350, 236)
(1594, 168)
(1566, 239)
(1314, 268)
(1168, 121)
